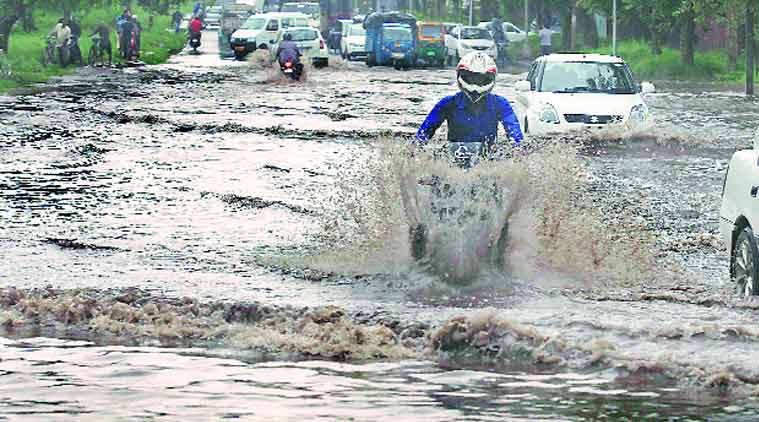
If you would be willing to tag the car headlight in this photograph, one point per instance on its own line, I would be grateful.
(548, 114)
(252, 39)
(465, 47)
(639, 113)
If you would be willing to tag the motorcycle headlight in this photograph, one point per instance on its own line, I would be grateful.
(639, 113)
(548, 114)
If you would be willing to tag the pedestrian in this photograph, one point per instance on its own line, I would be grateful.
(62, 34)
(104, 34)
(545, 40)
(120, 22)
(177, 19)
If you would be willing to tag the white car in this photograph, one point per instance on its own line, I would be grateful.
(739, 218)
(566, 92)
(309, 42)
(513, 33)
(260, 31)
(353, 42)
(465, 39)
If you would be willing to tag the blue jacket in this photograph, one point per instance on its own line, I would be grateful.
(468, 122)
(288, 50)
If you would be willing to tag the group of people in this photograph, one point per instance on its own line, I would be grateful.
(66, 33)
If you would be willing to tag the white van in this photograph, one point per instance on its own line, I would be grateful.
(260, 31)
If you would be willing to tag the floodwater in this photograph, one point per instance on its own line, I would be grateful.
(154, 224)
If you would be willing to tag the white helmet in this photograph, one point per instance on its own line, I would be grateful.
(475, 74)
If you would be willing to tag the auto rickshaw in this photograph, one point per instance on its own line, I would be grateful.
(431, 47)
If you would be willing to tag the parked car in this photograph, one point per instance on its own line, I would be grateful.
(431, 48)
(353, 43)
(739, 219)
(565, 92)
(513, 33)
(310, 43)
(391, 39)
(212, 21)
(312, 10)
(260, 31)
(465, 39)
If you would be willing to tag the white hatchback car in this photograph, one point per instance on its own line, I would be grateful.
(309, 42)
(465, 39)
(353, 42)
(513, 33)
(739, 218)
(565, 92)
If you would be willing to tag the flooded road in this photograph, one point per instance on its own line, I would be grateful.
(167, 238)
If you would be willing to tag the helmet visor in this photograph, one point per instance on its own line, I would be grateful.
(477, 79)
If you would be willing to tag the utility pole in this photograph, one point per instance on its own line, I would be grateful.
(471, 12)
(614, 29)
(527, 28)
(750, 48)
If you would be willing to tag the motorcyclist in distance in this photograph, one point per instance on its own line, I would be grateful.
(288, 51)
(195, 27)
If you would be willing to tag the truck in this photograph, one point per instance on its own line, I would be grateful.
(391, 39)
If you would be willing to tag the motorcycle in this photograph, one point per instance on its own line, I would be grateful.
(464, 155)
(131, 53)
(292, 70)
(195, 42)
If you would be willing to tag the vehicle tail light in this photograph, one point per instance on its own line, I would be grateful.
(288, 64)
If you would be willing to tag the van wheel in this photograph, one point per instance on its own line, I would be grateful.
(526, 126)
(745, 264)
(263, 47)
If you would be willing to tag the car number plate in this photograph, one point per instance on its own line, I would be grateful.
(397, 55)
(240, 48)
(430, 53)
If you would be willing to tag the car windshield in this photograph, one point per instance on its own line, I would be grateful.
(303, 34)
(307, 8)
(287, 22)
(254, 23)
(570, 77)
(475, 34)
(431, 31)
(357, 31)
(397, 34)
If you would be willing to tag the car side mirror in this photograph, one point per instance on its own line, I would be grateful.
(647, 88)
(523, 86)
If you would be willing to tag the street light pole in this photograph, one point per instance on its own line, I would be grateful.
(527, 29)
(614, 29)
(471, 9)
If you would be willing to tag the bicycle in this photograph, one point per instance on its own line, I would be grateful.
(48, 54)
(96, 52)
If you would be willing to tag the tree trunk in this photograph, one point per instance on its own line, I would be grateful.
(566, 30)
(732, 35)
(573, 31)
(750, 10)
(588, 22)
(688, 36)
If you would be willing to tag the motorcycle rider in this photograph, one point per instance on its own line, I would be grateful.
(474, 113)
(287, 51)
(195, 28)
(62, 34)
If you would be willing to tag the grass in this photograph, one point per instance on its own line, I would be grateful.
(709, 66)
(25, 49)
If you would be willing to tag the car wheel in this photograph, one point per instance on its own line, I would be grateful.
(745, 263)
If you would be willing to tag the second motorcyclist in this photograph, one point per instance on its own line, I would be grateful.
(288, 51)
(194, 28)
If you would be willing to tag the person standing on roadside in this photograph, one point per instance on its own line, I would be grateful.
(62, 34)
(104, 35)
(120, 22)
(545, 40)
(177, 19)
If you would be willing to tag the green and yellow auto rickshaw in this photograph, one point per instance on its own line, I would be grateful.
(431, 47)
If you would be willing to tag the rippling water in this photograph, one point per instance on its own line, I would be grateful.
(95, 194)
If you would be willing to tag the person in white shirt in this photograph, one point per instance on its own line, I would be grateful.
(62, 34)
(545, 40)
